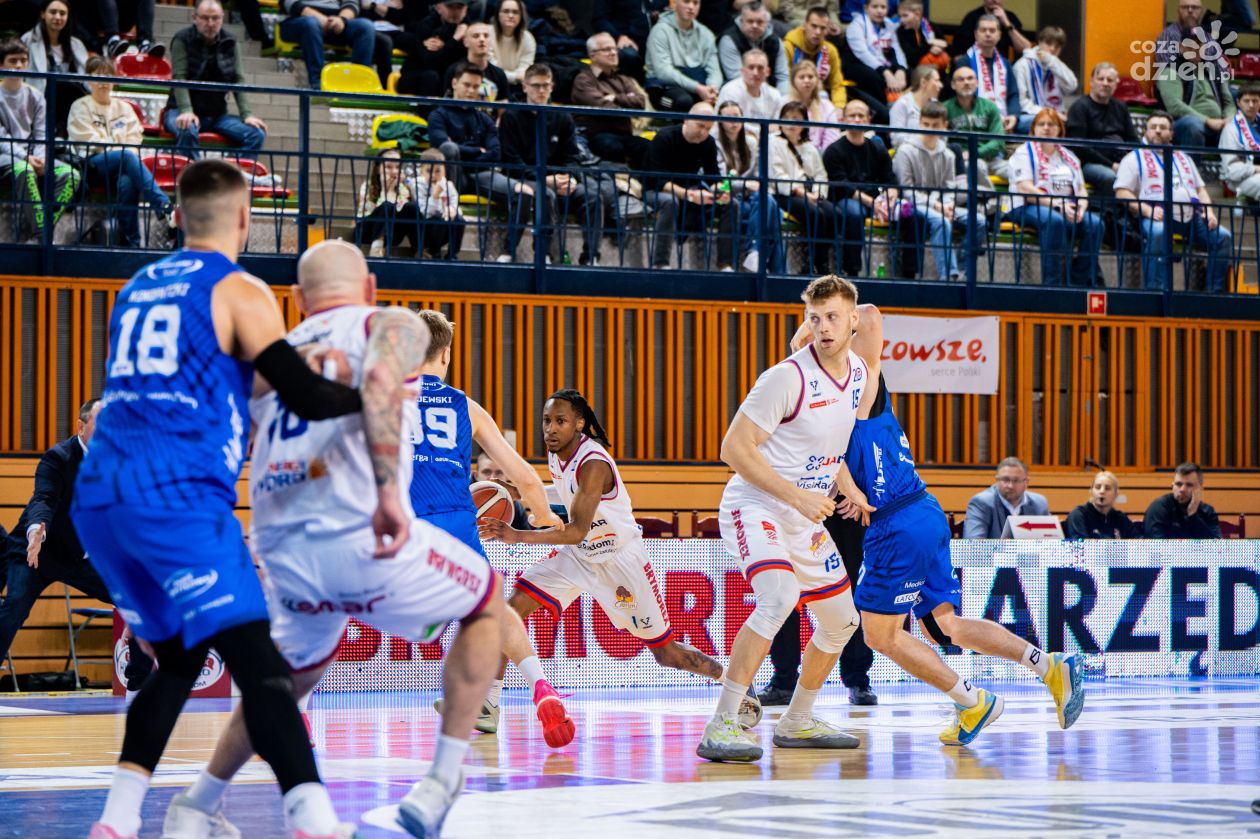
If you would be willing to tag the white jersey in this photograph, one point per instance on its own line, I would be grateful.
(317, 477)
(809, 416)
(613, 527)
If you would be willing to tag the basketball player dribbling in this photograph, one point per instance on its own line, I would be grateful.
(447, 423)
(311, 485)
(155, 496)
(785, 445)
(600, 550)
(907, 568)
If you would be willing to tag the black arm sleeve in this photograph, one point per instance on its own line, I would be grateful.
(310, 396)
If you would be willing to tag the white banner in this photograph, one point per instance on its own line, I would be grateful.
(941, 355)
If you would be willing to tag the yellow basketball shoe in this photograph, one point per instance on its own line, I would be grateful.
(968, 722)
(1066, 683)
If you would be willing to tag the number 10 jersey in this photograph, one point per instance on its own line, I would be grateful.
(172, 430)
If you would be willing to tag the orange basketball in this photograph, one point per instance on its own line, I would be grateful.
(492, 501)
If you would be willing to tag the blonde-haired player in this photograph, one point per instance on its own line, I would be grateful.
(785, 445)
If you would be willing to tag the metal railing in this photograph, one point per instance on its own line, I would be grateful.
(618, 217)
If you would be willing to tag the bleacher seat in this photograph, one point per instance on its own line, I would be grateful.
(205, 138)
(1232, 530)
(143, 66)
(391, 84)
(1248, 66)
(704, 528)
(345, 77)
(381, 119)
(658, 528)
(1130, 92)
(166, 168)
(149, 129)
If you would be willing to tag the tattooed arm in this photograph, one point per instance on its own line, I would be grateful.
(396, 348)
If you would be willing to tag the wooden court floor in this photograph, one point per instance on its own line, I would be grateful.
(1148, 758)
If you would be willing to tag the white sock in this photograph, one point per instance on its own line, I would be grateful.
(802, 707)
(531, 669)
(122, 806)
(307, 807)
(495, 692)
(964, 693)
(733, 694)
(448, 757)
(207, 791)
(1036, 661)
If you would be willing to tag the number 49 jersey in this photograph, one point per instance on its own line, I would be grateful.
(441, 444)
(317, 476)
(172, 430)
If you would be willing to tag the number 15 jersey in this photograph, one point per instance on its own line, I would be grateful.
(171, 433)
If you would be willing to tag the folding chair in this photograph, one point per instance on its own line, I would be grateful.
(74, 631)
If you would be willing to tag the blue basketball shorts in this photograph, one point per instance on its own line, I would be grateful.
(906, 563)
(462, 524)
(173, 573)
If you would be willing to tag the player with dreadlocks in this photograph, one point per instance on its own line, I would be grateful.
(600, 550)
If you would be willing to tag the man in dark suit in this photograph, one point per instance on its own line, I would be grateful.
(44, 548)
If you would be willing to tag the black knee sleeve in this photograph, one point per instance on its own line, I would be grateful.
(933, 629)
(157, 707)
(268, 702)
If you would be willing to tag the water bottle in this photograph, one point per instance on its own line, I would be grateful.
(881, 271)
(566, 259)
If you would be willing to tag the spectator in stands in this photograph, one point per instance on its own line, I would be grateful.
(995, 77)
(1098, 518)
(313, 24)
(752, 30)
(800, 180)
(44, 548)
(107, 132)
(1011, 40)
(468, 134)
(794, 13)
(925, 87)
(205, 52)
(19, 15)
(99, 23)
(968, 112)
(488, 470)
(479, 41)
(514, 45)
(762, 231)
(438, 200)
(807, 44)
(880, 65)
(53, 49)
(1100, 116)
(925, 168)
(807, 90)
(1048, 194)
(1241, 172)
(1140, 184)
(754, 97)
(1197, 96)
(682, 167)
(387, 214)
(682, 62)
(862, 183)
(988, 511)
(1182, 513)
(1168, 43)
(629, 23)
(1043, 79)
(23, 152)
(602, 85)
(918, 40)
(439, 37)
(570, 189)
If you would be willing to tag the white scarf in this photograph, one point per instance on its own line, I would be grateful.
(1246, 132)
(878, 39)
(1151, 178)
(1044, 89)
(1043, 169)
(992, 85)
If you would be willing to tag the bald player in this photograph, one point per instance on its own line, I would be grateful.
(312, 485)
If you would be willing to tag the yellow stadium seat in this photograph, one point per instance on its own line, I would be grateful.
(391, 85)
(281, 44)
(999, 181)
(344, 77)
(381, 119)
(649, 134)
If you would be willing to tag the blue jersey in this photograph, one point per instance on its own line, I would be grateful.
(172, 430)
(879, 457)
(442, 450)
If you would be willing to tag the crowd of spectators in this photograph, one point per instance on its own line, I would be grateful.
(784, 61)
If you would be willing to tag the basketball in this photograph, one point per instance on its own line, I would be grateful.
(492, 501)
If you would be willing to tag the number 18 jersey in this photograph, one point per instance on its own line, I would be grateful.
(441, 447)
(171, 433)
